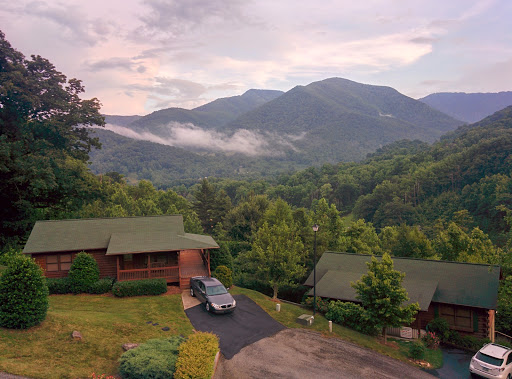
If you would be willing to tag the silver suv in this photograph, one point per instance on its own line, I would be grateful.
(492, 361)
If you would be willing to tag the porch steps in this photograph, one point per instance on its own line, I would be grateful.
(191, 264)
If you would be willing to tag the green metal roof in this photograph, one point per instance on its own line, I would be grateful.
(121, 235)
(468, 284)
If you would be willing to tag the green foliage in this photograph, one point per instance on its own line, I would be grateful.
(44, 144)
(352, 316)
(224, 275)
(102, 286)
(210, 205)
(58, 286)
(155, 359)
(221, 256)
(382, 295)
(504, 311)
(196, 356)
(322, 305)
(84, 272)
(431, 340)
(416, 350)
(466, 341)
(440, 327)
(277, 256)
(140, 287)
(23, 294)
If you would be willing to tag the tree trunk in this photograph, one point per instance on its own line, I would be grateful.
(275, 292)
(385, 335)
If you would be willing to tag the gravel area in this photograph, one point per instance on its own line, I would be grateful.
(298, 353)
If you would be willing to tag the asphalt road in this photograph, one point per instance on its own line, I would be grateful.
(247, 324)
(299, 353)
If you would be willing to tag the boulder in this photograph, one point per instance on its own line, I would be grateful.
(129, 346)
(76, 335)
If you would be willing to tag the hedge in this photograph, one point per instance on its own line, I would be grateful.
(155, 359)
(196, 356)
(58, 286)
(352, 316)
(102, 286)
(140, 287)
(225, 276)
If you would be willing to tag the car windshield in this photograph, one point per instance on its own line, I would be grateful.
(488, 359)
(216, 290)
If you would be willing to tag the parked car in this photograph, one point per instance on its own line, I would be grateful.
(492, 361)
(213, 294)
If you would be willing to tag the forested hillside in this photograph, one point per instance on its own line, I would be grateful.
(468, 107)
(451, 200)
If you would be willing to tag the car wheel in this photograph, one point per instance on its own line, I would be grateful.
(192, 292)
(207, 306)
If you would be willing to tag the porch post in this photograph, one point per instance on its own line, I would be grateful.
(117, 273)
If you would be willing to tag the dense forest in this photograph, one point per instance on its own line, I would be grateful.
(451, 200)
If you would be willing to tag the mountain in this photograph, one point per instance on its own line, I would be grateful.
(166, 165)
(211, 115)
(120, 120)
(341, 120)
(468, 107)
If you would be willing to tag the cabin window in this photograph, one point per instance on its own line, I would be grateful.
(457, 317)
(58, 262)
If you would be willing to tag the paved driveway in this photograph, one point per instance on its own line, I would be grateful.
(455, 364)
(246, 325)
(299, 353)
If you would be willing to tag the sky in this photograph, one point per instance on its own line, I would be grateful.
(140, 56)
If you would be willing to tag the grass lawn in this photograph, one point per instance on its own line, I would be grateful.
(290, 312)
(106, 323)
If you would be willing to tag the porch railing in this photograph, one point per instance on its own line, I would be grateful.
(169, 273)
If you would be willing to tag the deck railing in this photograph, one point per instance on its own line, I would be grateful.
(169, 273)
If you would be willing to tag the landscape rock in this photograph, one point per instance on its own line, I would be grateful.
(76, 335)
(129, 346)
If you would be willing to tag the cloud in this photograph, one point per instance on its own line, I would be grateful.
(112, 63)
(190, 136)
(76, 26)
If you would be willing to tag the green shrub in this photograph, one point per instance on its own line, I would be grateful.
(23, 294)
(221, 257)
(416, 350)
(197, 356)
(352, 316)
(102, 286)
(322, 305)
(140, 287)
(58, 286)
(440, 327)
(431, 340)
(466, 341)
(155, 359)
(224, 275)
(84, 272)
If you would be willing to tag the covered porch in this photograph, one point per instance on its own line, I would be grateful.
(173, 266)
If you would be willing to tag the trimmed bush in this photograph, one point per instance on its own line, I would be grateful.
(140, 287)
(224, 275)
(197, 356)
(155, 359)
(23, 294)
(102, 286)
(466, 342)
(352, 316)
(84, 272)
(58, 286)
(322, 305)
(416, 350)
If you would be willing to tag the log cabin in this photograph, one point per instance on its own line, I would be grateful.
(464, 294)
(126, 248)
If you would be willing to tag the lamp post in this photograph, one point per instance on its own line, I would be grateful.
(315, 229)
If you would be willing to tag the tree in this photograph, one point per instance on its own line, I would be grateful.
(382, 295)
(44, 142)
(276, 256)
(23, 294)
(211, 207)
